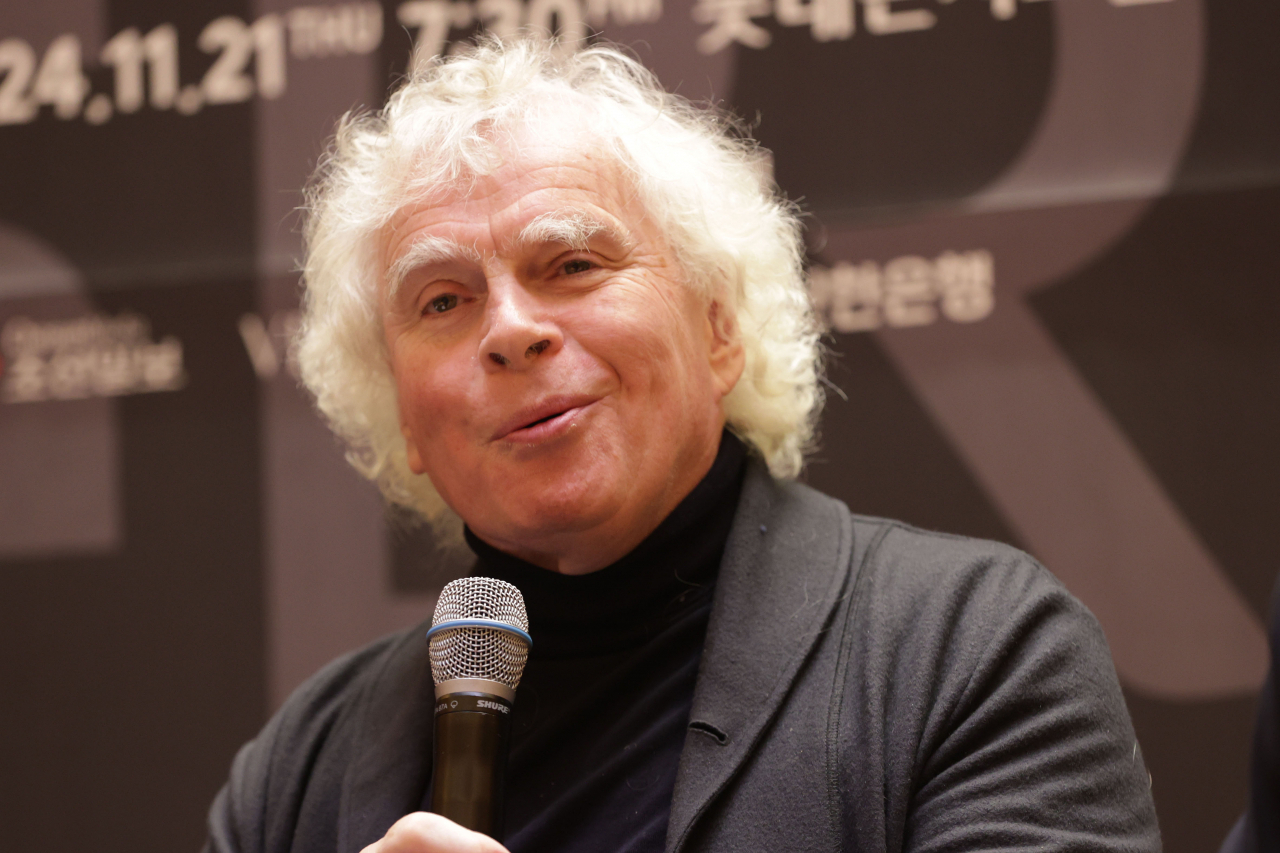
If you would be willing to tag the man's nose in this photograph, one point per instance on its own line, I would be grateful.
(518, 328)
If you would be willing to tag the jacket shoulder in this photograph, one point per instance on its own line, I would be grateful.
(949, 571)
(948, 615)
(990, 671)
(297, 755)
(905, 568)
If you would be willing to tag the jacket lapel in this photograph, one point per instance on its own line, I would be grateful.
(782, 572)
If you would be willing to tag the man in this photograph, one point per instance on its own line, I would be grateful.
(550, 300)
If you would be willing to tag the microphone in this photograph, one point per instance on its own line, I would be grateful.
(479, 642)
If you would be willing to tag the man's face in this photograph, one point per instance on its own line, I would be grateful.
(558, 381)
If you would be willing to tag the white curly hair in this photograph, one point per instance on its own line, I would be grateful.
(707, 185)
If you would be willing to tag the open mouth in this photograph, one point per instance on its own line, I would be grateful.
(544, 421)
(532, 424)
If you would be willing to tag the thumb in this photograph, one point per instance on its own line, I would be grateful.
(424, 832)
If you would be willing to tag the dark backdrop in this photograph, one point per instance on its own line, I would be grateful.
(1041, 233)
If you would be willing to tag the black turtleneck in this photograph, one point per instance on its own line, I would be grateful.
(602, 709)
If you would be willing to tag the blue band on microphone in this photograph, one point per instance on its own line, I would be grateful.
(480, 623)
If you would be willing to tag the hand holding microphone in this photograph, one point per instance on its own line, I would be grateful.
(479, 642)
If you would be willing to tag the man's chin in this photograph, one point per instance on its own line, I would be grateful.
(552, 519)
(542, 519)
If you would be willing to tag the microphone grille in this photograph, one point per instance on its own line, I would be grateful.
(475, 651)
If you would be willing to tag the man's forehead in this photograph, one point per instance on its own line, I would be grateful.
(571, 227)
(558, 203)
(551, 169)
(549, 215)
(516, 202)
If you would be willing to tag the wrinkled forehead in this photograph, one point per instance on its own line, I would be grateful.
(557, 168)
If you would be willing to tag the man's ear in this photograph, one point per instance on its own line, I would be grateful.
(727, 355)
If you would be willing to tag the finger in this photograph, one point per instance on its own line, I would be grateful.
(424, 832)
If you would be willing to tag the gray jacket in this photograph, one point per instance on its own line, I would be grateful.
(865, 686)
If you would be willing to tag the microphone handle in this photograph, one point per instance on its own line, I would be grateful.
(469, 771)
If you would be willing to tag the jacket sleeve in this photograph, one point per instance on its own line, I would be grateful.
(236, 818)
(1008, 729)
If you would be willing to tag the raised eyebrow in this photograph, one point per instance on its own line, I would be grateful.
(572, 228)
(425, 251)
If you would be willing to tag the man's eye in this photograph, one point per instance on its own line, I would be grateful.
(576, 266)
(442, 303)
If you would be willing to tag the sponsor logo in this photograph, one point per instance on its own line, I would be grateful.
(92, 356)
(906, 291)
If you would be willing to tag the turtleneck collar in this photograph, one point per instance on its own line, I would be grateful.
(625, 603)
